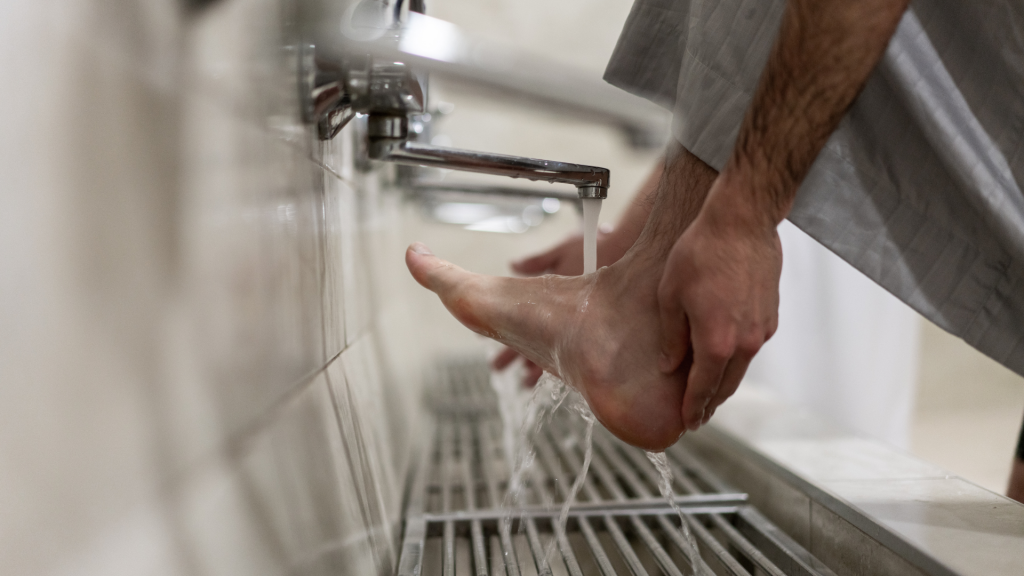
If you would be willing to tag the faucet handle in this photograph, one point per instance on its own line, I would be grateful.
(335, 91)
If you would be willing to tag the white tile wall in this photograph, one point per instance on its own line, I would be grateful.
(198, 369)
(210, 349)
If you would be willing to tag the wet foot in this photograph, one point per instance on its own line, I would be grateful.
(599, 333)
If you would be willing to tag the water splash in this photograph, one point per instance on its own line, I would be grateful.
(660, 462)
(521, 420)
(580, 407)
(528, 419)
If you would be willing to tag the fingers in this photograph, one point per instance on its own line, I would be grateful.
(731, 378)
(504, 358)
(703, 383)
(539, 264)
(719, 366)
(675, 333)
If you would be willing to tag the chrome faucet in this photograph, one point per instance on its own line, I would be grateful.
(389, 142)
(389, 92)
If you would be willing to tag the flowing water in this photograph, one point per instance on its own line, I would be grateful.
(527, 419)
(591, 211)
(579, 406)
(660, 462)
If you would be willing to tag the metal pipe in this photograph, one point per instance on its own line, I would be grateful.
(476, 532)
(442, 49)
(590, 181)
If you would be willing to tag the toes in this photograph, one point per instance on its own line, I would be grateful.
(461, 292)
(437, 275)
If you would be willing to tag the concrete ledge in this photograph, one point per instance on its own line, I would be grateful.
(860, 506)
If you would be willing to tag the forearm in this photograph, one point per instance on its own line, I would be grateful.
(632, 221)
(825, 51)
(676, 200)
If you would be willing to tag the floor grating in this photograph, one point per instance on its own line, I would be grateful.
(455, 524)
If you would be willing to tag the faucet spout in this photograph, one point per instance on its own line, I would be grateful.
(390, 146)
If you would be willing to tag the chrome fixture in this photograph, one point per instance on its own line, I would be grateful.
(389, 142)
(366, 71)
(389, 92)
(444, 50)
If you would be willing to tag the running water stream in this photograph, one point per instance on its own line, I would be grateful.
(591, 211)
(660, 461)
(523, 423)
(548, 395)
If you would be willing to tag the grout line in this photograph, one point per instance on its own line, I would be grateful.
(330, 170)
(235, 444)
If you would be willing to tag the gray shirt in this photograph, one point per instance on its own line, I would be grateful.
(920, 186)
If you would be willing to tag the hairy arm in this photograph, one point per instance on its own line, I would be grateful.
(820, 61)
(719, 293)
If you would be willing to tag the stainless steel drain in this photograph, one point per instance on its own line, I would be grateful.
(455, 524)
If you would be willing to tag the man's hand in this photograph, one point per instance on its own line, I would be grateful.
(720, 295)
(720, 289)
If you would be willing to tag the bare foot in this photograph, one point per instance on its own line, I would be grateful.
(600, 333)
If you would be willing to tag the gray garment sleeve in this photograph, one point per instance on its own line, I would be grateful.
(920, 186)
(646, 58)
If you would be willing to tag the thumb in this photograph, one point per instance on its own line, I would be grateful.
(539, 264)
(675, 337)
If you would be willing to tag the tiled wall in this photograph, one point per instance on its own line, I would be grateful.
(205, 361)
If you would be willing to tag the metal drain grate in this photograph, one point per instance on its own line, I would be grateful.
(619, 525)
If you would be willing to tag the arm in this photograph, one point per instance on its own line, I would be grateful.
(719, 291)
(824, 53)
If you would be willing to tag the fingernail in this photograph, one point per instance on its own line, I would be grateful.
(421, 248)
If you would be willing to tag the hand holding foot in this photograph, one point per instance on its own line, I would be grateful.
(719, 297)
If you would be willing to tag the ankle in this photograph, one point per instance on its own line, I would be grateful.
(635, 273)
